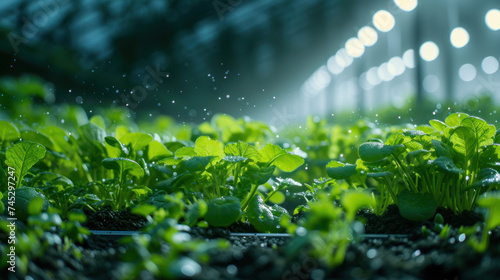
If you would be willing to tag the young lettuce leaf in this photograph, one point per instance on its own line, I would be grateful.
(22, 156)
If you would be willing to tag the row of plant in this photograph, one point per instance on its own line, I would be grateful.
(233, 172)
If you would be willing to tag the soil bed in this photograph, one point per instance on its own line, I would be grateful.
(415, 257)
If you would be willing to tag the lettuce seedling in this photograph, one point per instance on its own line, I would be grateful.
(122, 168)
(327, 230)
(212, 171)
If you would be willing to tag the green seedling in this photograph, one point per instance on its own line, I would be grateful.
(491, 201)
(123, 167)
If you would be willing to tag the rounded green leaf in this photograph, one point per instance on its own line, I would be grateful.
(123, 165)
(373, 151)
(223, 211)
(37, 137)
(275, 155)
(455, 119)
(157, 150)
(137, 140)
(99, 121)
(24, 196)
(197, 163)
(8, 131)
(447, 165)
(487, 178)
(263, 217)
(204, 146)
(416, 207)
(339, 171)
(416, 154)
(92, 133)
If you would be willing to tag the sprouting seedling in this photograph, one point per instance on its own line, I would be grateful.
(491, 201)
(123, 167)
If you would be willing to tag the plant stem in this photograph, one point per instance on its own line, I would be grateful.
(247, 201)
(405, 173)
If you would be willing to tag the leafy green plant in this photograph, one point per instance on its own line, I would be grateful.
(165, 252)
(448, 164)
(123, 167)
(328, 229)
(210, 170)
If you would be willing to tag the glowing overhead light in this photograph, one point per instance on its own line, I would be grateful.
(367, 36)
(363, 82)
(467, 72)
(343, 58)
(383, 72)
(409, 58)
(333, 66)
(354, 47)
(459, 37)
(489, 65)
(492, 19)
(431, 83)
(383, 20)
(429, 51)
(372, 76)
(320, 79)
(406, 5)
(396, 66)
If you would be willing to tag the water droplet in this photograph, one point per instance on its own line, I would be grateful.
(461, 237)
(372, 253)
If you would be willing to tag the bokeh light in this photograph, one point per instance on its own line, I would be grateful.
(343, 58)
(367, 36)
(396, 66)
(409, 58)
(406, 5)
(490, 65)
(492, 19)
(333, 66)
(459, 37)
(431, 83)
(467, 72)
(429, 51)
(383, 72)
(354, 47)
(383, 21)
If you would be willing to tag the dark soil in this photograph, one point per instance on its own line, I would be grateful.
(107, 219)
(391, 222)
(415, 257)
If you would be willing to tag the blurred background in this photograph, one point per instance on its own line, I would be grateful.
(277, 61)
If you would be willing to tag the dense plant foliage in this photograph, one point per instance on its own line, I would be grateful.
(231, 170)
